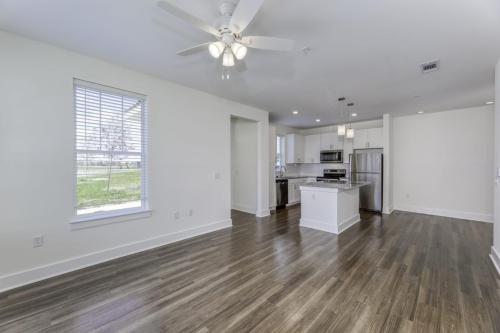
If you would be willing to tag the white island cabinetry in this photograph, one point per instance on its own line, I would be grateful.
(330, 207)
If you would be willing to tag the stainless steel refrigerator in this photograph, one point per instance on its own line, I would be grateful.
(367, 166)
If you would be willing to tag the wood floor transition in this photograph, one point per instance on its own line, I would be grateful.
(399, 273)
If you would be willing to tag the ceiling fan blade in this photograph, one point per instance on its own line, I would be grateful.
(268, 43)
(177, 12)
(194, 49)
(244, 13)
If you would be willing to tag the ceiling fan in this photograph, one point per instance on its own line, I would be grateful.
(229, 43)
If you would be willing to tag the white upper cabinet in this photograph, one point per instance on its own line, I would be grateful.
(306, 149)
(348, 146)
(359, 141)
(368, 138)
(294, 149)
(375, 137)
(312, 148)
(330, 141)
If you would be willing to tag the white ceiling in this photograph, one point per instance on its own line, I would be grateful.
(368, 51)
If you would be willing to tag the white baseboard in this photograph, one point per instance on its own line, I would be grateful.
(332, 228)
(264, 213)
(318, 225)
(244, 208)
(495, 258)
(349, 223)
(447, 213)
(18, 279)
(388, 211)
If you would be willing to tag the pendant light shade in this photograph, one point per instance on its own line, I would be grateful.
(216, 49)
(228, 58)
(350, 133)
(239, 50)
(341, 130)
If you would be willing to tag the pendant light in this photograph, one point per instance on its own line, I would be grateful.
(228, 58)
(216, 49)
(350, 131)
(341, 129)
(240, 51)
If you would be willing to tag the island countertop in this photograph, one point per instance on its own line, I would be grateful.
(332, 186)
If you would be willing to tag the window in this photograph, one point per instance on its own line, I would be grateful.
(110, 150)
(280, 151)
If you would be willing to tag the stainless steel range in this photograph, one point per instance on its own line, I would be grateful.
(332, 174)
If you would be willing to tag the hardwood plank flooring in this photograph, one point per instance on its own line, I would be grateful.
(399, 273)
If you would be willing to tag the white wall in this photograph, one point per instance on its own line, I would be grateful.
(495, 249)
(189, 142)
(244, 165)
(388, 176)
(272, 167)
(443, 163)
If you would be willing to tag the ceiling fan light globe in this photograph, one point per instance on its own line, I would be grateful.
(216, 49)
(341, 130)
(350, 133)
(228, 59)
(240, 51)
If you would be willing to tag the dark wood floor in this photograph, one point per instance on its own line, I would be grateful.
(404, 272)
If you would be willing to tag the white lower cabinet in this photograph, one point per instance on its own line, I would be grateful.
(294, 188)
(291, 192)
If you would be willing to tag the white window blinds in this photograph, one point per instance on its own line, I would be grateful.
(110, 148)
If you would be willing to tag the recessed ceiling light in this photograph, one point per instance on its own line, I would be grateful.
(490, 103)
(318, 120)
(420, 112)
(354, 114)
(295, 112)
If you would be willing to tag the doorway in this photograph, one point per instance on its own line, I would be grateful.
(244, 165)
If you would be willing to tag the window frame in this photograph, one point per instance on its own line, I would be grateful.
(123, 214)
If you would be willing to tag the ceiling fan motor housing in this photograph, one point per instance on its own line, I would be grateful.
(226, 10)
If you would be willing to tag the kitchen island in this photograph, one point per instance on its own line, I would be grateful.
(331, 207)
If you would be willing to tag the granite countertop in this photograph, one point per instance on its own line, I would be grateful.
(296, 177)
(334, 186)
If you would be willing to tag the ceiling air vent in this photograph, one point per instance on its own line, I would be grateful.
(430, 66)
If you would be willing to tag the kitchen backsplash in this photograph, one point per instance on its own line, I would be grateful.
(315, 169)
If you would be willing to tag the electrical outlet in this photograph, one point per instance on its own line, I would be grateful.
(191, 212)
(38, 241)
(176, 215)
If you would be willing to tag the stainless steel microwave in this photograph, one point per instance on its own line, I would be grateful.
(331, 156)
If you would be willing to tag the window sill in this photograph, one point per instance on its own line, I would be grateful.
(93, 220)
